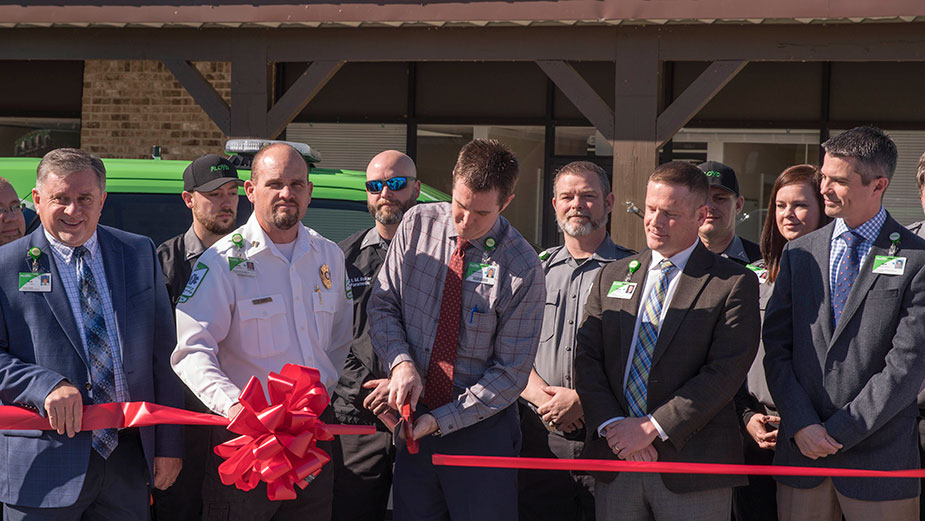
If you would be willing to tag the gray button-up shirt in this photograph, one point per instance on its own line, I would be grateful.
(499, 323)
(568, 285)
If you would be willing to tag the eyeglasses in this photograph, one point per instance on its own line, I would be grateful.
(394, 183)
(14, 209)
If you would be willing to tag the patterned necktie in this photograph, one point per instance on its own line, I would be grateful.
(645, 341)
(848, 269)
(102, 374)
(439, 388)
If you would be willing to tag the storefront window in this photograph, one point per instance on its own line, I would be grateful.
(757, 156)
(33, 137)
(581, 141)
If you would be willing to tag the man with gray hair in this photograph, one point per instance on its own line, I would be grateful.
(843, 343)
(551, 417)
(87, 321)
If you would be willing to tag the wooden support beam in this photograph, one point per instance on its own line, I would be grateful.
(202, 91)
(635, 151)
(249, 94)
(305, 88)
(582, 95)
(698, 94)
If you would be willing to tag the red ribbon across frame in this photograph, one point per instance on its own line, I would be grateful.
(278, 439)
(666, 467)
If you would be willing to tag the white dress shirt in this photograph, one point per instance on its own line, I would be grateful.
(232, 326)
(680, 261)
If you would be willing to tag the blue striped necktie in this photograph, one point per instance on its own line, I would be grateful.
(848, 269)
(99, 353)
(645, 341)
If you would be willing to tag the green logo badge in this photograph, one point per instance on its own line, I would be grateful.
(199, 273)
(713, 173)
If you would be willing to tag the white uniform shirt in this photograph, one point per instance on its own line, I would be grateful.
(231, 327)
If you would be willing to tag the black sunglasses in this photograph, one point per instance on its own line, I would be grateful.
(394, 183)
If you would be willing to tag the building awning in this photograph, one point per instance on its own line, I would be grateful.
(365, 13)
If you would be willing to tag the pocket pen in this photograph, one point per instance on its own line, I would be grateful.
(472, 313)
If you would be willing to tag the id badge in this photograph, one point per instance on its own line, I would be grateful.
(34, 282)
(762, 273)
(622, 290)
(888, 265)
(482, 273)
(241, 266)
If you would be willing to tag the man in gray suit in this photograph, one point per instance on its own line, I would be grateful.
(843, 336)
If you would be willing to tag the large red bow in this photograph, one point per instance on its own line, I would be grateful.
(278, 442)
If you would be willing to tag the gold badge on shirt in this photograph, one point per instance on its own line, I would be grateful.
(326, 276)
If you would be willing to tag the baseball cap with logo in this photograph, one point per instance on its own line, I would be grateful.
(720, 175)
(208, 172)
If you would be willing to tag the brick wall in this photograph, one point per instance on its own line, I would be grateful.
(128, 106)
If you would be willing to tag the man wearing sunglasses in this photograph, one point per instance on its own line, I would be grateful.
(363, 467)
(455, 316)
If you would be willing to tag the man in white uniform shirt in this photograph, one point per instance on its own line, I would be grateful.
(270, 293)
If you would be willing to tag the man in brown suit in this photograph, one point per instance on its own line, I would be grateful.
(668, 337)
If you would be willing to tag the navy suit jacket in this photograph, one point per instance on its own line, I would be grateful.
(41, 346)
(859, 379)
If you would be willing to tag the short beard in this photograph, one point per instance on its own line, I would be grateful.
(388, 218)
(581, 230)
(284, 221)
(212, 224)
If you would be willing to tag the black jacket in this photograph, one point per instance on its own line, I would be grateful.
(178, 256)
(364, 253)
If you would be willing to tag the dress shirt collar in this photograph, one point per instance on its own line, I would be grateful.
(869, 230)
(259, 240)
(678, 259)
(496, 232)
(65, 251)
(192, 244)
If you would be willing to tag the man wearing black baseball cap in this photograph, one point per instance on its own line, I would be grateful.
(210, 190)
(718, 232)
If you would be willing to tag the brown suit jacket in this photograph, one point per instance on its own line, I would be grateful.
(706, 344)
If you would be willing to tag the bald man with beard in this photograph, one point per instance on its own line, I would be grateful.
(363, 474)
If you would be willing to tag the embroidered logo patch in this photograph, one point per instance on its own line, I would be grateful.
(195, 280)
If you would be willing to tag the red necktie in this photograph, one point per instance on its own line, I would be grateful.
(439, 387)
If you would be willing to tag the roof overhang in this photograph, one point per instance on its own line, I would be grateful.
(260, 13)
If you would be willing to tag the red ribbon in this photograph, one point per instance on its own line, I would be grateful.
(278, 442)
(666, 467)
(413, 445)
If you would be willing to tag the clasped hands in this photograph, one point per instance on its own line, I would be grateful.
(64, 408)
(562, 410)
(814, 442)
(631, 439)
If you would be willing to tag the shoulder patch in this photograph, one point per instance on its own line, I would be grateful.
(195, 279)
(544, 255)
(348, 289)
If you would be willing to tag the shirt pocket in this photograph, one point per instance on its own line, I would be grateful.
(324, 305)
(549, 315)
(480, 333)
(263, 326)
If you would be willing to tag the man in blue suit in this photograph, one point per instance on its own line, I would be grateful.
(843, 338)
(84, 319)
